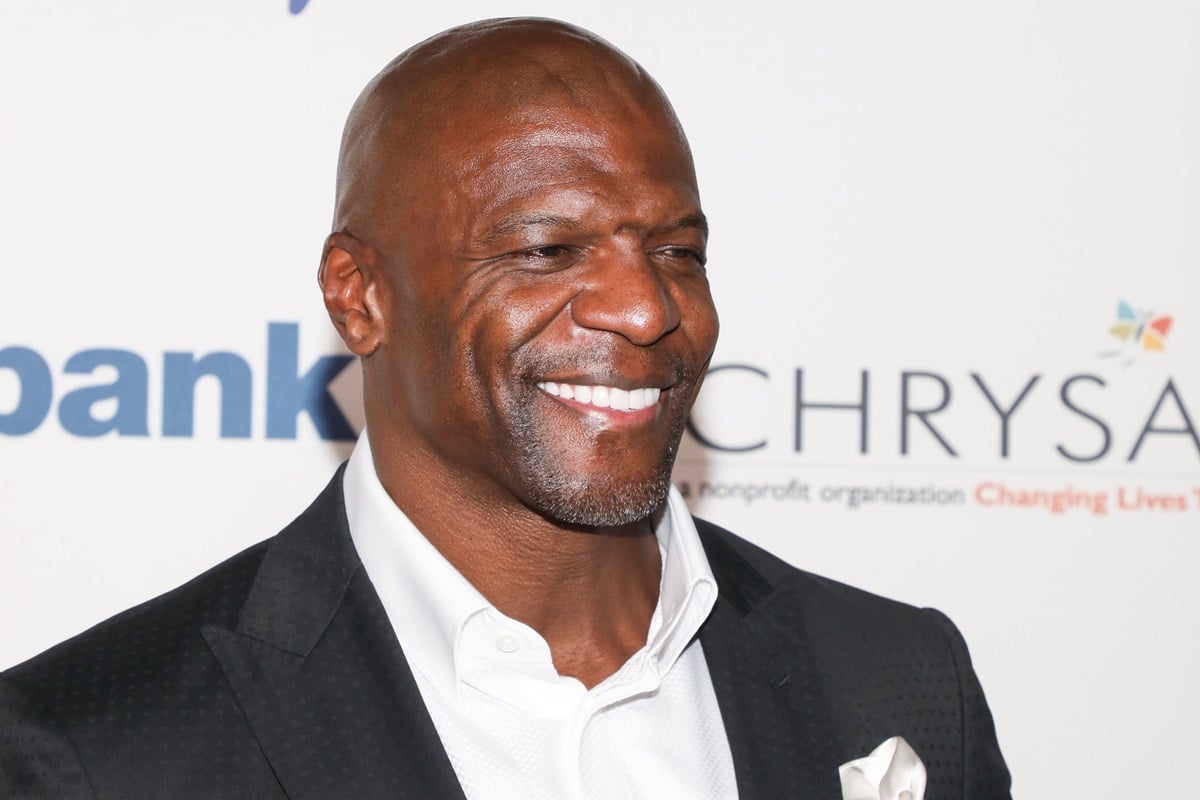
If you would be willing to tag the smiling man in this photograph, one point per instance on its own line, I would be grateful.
(500, 596)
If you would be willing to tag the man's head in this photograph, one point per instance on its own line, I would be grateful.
(518, 241)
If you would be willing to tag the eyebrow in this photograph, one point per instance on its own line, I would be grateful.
(518, 222)
(693, 222)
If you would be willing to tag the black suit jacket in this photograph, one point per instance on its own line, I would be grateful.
(277, 675)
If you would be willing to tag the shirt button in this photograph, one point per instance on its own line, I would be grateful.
(507, 643)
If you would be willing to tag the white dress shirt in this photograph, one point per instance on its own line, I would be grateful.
(511, 725)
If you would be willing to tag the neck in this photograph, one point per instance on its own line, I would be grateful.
(589, 592)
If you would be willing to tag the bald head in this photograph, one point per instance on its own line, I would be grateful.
(502, 71)
(517, 209)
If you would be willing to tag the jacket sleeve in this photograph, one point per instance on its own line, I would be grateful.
(985, 775)
(37, 759)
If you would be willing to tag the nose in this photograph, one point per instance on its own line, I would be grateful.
(624, 293)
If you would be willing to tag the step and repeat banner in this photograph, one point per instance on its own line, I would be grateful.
(955, 249)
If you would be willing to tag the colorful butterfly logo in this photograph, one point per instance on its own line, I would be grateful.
(1140, 327)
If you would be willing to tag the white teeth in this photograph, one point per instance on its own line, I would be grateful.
(604, 396)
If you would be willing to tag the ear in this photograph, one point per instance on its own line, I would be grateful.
(350, 284)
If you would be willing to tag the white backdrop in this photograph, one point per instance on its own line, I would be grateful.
(945, 201)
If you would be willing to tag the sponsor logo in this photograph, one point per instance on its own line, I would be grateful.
(1102, 439)
(1140, 331)
(118, 403)
(940, 415)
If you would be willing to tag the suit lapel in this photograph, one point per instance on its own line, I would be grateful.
(322, 682)
(771, 697)
(320, 678)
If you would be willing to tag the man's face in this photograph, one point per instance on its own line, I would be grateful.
(550, 315)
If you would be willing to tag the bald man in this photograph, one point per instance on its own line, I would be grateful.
(500, 595)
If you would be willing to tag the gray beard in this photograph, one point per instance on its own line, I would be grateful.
(594, 501)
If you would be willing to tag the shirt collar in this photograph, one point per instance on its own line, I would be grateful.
(687, 591)
(428, 601)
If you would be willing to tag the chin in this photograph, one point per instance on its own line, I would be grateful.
(582, 502)
(603, 486)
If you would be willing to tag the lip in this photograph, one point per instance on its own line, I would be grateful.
(651, 395)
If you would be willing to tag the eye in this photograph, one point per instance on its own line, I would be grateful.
(545, 258)
(547, 251)
(683, 254)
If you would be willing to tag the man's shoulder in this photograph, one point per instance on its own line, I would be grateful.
(158, 632)
(167, 628)
(884, 667)
(143, 699)
(857, 638)
(741, 566)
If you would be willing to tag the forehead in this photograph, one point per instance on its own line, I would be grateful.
(548, 142)
(471, 122)
(581, 163)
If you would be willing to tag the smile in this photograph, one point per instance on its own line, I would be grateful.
(603, 396)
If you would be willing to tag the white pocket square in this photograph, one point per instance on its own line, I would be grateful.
(891, 772)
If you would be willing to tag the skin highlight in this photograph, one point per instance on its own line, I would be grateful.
(516, 205)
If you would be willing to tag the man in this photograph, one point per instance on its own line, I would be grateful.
(500, 596)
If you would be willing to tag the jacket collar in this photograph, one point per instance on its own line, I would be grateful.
(770, 692)
(330, 698)
(319, 676)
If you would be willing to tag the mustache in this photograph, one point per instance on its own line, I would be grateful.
(607, 362)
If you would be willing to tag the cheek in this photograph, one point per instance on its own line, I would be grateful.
(699, 318)
(501, 319)
(426, 356)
